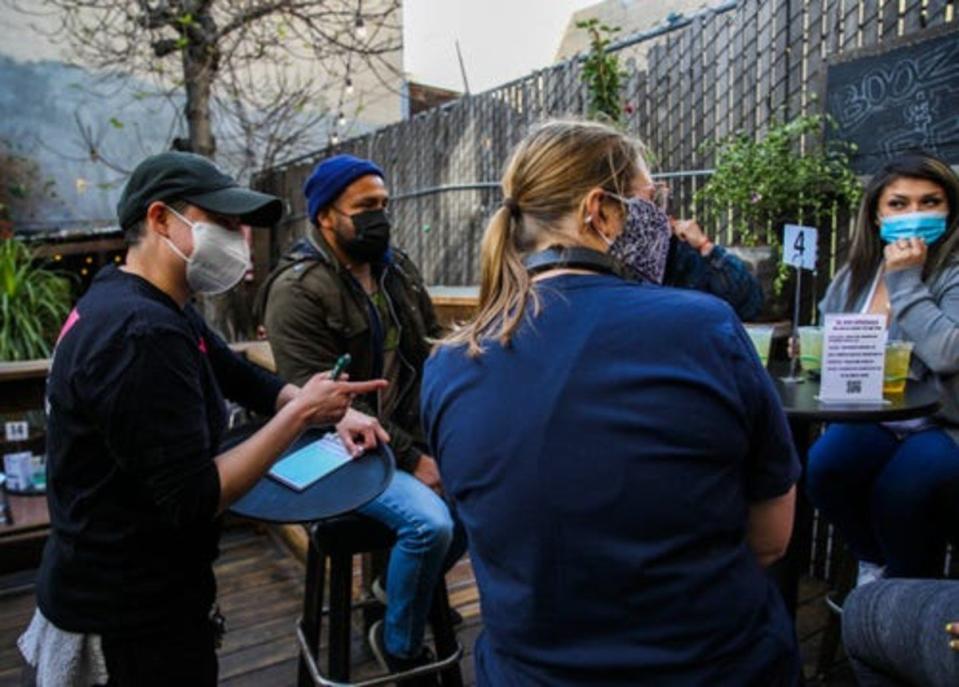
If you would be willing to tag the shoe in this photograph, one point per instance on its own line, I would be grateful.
(379, 593)
(869, 572)
(397, 664)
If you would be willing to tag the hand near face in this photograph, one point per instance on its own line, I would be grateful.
(905, 253)
(688, 230)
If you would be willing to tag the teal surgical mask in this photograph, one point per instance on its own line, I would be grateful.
(928, 226)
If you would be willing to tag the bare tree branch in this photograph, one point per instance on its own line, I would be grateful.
(209, 57)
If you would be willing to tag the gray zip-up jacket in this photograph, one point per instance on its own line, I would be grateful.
(925, 313)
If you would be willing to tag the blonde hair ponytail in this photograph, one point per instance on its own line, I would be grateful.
(547, 178)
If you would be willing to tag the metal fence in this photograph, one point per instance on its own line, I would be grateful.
(731, 68)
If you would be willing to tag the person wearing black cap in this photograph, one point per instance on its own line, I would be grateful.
(345, 289)
(135, 408)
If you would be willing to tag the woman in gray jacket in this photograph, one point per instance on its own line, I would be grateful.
(875, 482)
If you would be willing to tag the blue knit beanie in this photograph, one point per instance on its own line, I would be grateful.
(331, 176)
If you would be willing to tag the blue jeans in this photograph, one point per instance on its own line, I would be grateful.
(425, 538)
(880, 491)
(894, 633)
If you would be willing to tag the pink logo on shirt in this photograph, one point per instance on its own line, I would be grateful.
(202, 345)
(72, 319)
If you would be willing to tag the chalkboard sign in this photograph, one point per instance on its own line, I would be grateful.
(897, 100)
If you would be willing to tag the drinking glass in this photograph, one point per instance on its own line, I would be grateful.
(810, 349)
(762, 338)
(896, 367)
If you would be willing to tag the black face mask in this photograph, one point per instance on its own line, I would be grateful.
(372, 236)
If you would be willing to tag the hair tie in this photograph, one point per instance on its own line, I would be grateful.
(513, 207)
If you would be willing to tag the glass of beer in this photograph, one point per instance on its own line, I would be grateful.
(810, 349)
(896, 368)
(762, 338)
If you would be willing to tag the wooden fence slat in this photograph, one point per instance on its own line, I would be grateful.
(720, 74)
(890, 19)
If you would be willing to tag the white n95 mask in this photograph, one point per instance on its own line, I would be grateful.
(220, 257)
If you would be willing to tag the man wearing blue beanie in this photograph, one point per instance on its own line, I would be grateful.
(344, 289)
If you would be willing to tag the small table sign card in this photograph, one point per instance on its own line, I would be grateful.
(854, 349)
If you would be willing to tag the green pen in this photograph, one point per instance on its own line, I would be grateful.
(340, 365)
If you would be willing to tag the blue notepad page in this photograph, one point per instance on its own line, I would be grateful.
(314, 461)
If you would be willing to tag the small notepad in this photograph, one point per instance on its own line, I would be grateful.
(311, 463)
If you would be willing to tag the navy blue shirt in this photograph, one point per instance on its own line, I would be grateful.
(134, 419)
(603, 465)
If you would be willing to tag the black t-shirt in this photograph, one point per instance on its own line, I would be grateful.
(135, 413)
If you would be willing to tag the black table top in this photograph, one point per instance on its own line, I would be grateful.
(800, 403)
(343, 490)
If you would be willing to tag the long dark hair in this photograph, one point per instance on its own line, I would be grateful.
(865, 253)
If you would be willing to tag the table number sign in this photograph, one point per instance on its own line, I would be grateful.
(854, 348)
(800, 246)
(16, 431)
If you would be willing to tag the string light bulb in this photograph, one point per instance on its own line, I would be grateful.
(360, 27)
(349, 86)
(341, 120)
(334, 139)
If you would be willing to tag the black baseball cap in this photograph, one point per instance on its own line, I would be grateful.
(196, 180)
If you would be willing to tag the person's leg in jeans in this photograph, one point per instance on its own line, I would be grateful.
(424, 530)
(843, 464)
(904, 507)
(894, 633)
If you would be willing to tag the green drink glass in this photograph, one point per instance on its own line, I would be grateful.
(810, 349)
(762, 338)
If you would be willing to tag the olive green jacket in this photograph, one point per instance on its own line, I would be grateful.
(314, 310)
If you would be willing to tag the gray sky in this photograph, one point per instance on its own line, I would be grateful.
(501, 40)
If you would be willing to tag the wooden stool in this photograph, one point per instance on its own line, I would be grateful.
(337, 540)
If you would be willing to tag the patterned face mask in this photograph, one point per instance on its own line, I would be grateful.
(644, 244)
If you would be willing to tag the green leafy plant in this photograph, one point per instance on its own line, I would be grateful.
(34, 300)
(601, 72)
(761, 184)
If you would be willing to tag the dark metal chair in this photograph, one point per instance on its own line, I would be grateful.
(336, 540)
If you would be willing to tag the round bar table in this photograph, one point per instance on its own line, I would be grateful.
(804, 411)
(343, 490)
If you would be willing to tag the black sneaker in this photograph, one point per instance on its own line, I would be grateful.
(396, 664)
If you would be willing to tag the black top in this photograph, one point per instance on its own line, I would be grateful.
(135, 416)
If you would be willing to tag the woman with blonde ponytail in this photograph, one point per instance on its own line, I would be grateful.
(615, 450)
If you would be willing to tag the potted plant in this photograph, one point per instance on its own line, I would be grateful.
(34, 300)
(760, 184)
(602, 73)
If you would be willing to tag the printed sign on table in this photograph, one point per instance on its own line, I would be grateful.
(854, 348)
(800, 246)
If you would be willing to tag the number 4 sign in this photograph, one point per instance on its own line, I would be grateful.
(799, 246)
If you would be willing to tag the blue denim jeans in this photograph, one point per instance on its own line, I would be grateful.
(425, 538)
(880, 491)
(894, 633)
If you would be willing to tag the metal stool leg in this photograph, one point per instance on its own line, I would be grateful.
(341, 592)
(444, 635)
(312, 620)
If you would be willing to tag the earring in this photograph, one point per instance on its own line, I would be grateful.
(588, 220)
